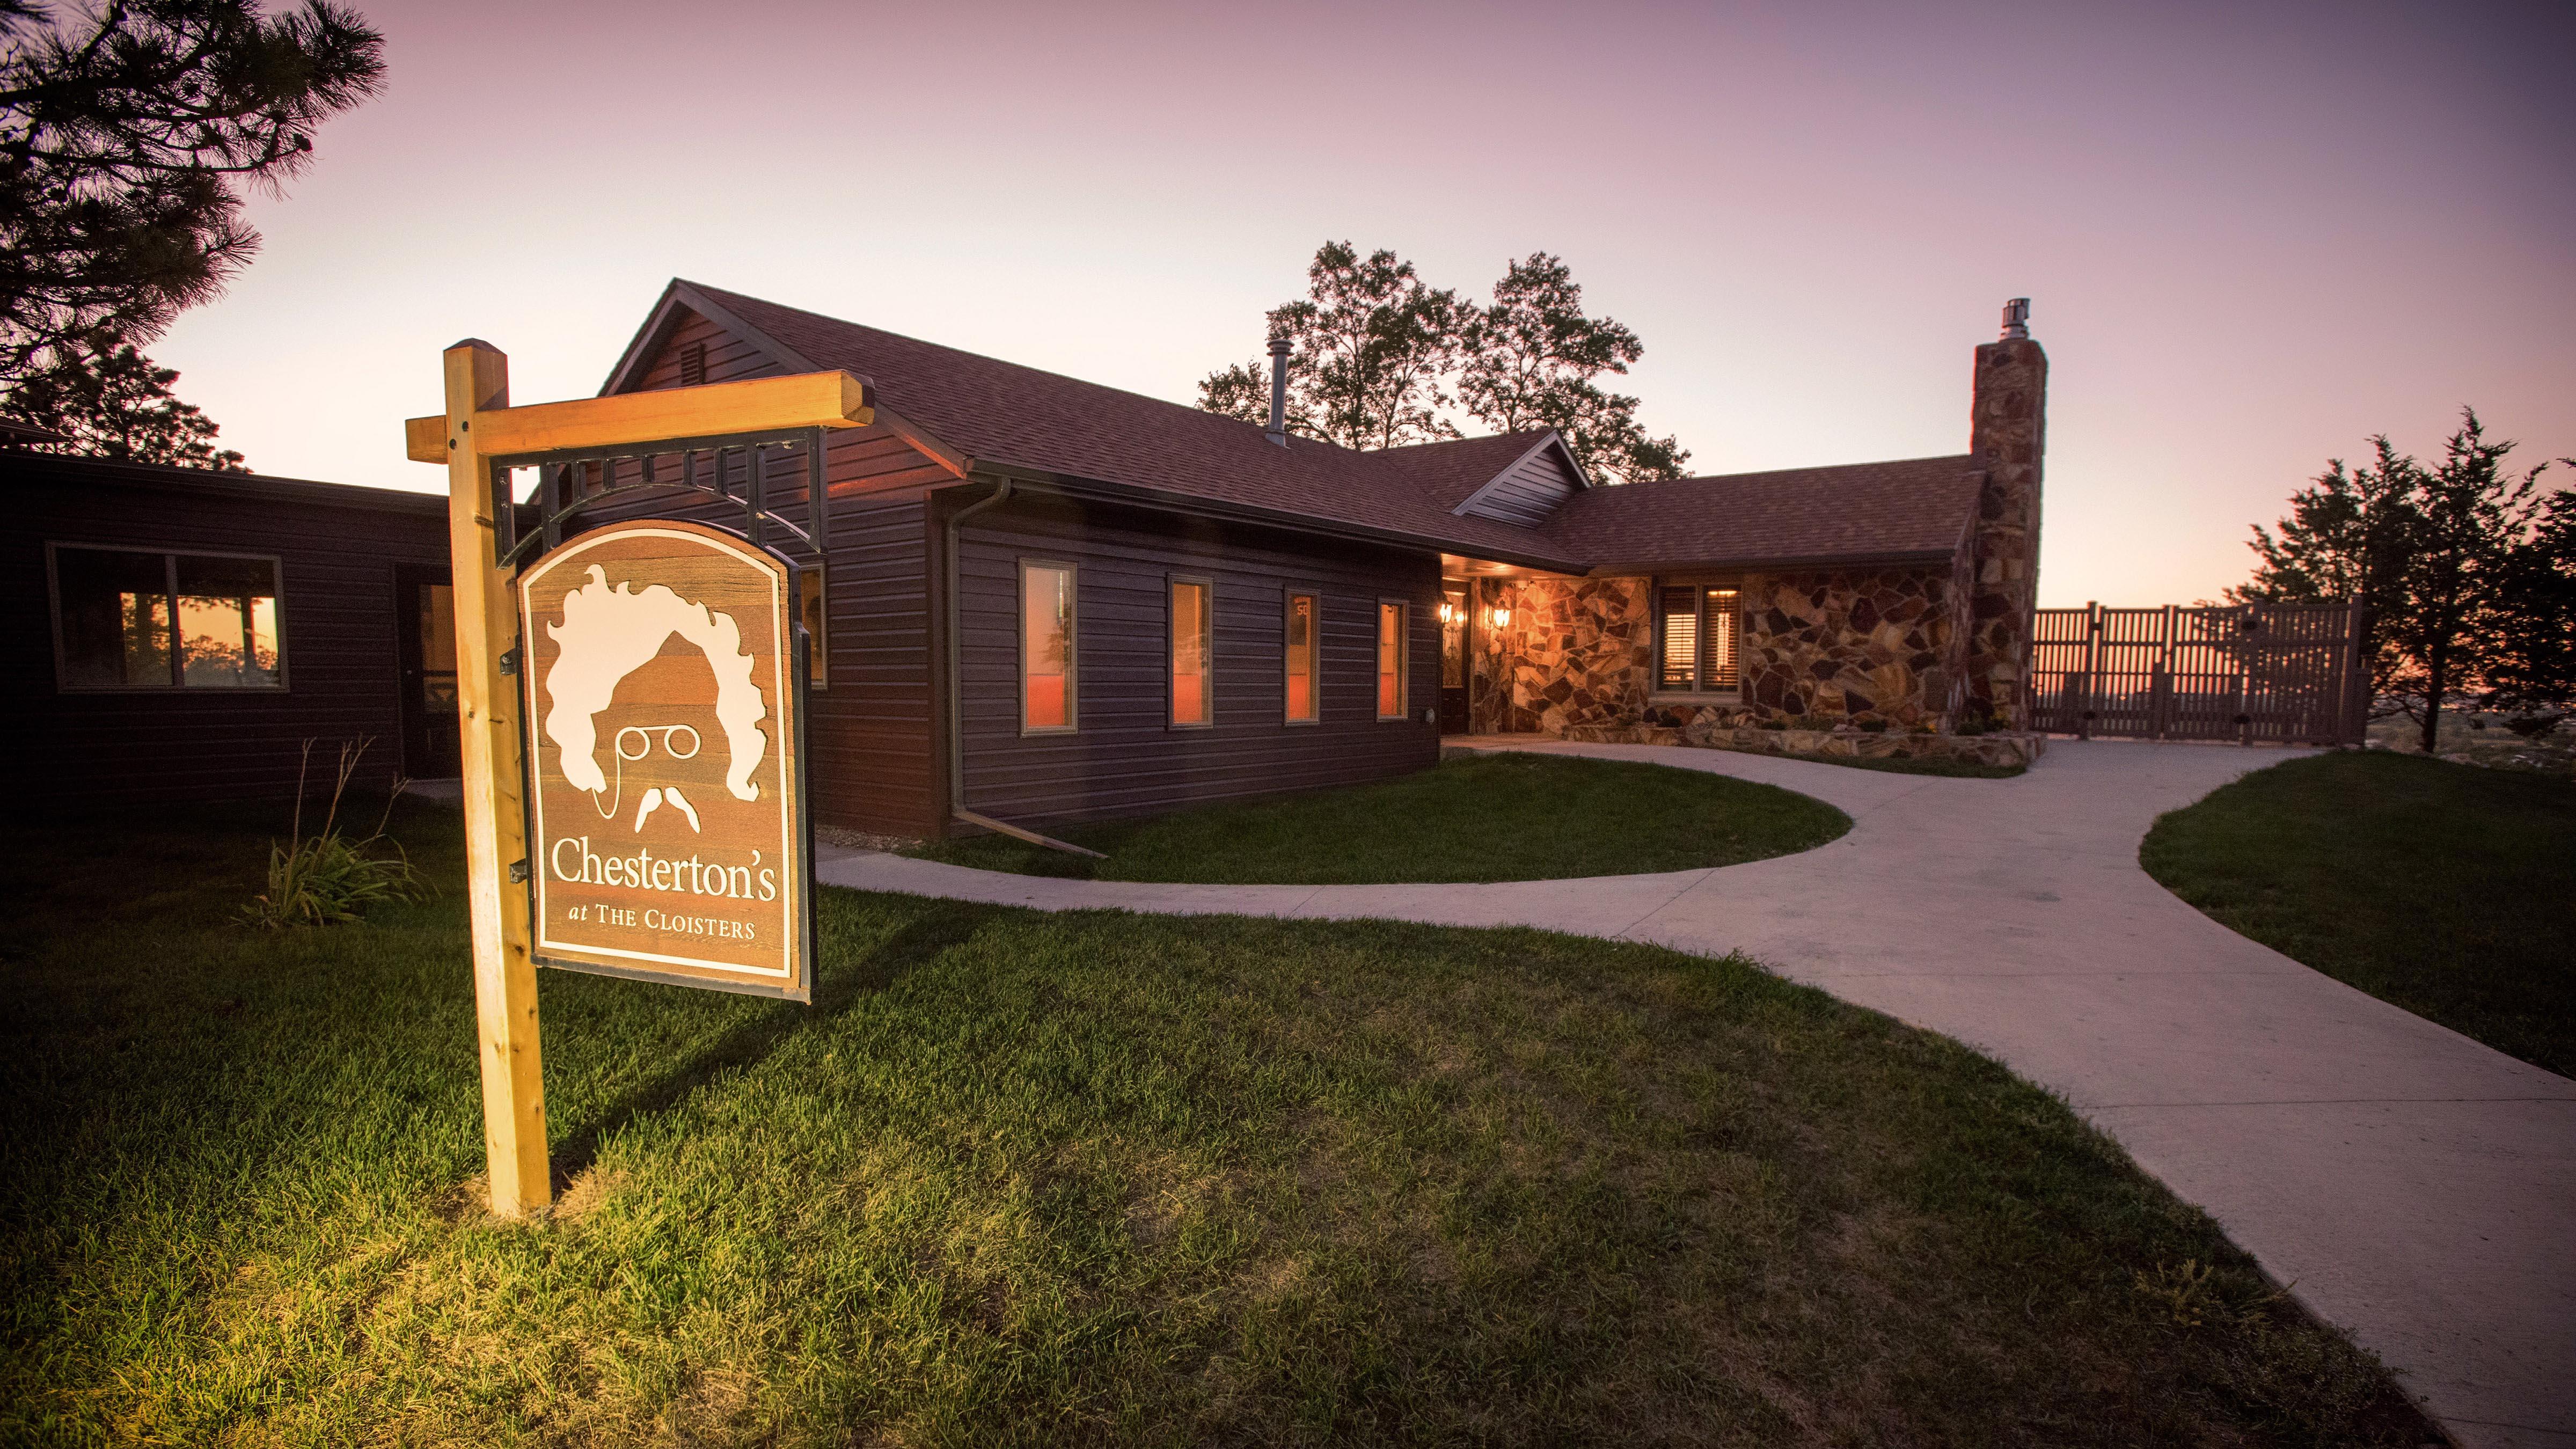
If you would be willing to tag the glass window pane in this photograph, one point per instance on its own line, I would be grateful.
(227, 621)
(115, 610)
(1717, 662)
(1190, 704)
(1390, 660)
(1301, 657)
(1680, 613)
(1046, 647)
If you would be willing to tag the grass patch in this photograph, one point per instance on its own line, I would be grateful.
(1018, 1178)
(1506, 816)
(2446, 889)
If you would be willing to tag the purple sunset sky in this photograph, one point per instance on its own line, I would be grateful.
(2253, 235)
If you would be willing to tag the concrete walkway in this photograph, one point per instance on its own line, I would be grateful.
(2418, 1188)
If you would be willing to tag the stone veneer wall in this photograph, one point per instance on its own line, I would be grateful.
(1575, 654)
(1578, 654)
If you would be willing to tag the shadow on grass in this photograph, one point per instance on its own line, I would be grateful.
(838, 986)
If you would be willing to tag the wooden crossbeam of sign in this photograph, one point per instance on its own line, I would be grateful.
(765, 404)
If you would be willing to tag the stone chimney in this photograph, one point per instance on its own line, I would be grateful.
(2008, 434)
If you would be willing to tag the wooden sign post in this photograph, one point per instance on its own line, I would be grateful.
(479, 427)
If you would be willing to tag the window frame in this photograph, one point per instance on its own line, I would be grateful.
(1658, 692)
(818, 672)
(1403, 657)
(170, 557)
(1072, 646)
(1314, 597)
(1206, 585)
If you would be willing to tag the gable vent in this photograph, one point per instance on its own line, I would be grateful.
(693, 364)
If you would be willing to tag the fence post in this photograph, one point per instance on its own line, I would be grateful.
(2092, 667)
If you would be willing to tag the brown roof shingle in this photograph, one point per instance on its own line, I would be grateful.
(1002, 413)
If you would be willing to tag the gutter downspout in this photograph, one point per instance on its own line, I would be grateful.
(956, 692)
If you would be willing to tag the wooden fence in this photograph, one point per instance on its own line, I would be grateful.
(2274, 672)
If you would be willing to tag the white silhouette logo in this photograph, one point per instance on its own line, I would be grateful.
(608, 633)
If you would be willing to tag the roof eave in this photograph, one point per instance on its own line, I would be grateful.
(1198, 505)
(254, 487)
(1872, 559)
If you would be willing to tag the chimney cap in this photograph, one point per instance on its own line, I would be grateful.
(2017, 320)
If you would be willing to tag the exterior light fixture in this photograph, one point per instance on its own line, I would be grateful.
(1448, 613)
(1502, 617)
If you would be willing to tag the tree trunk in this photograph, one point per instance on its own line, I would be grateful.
(2436, 668)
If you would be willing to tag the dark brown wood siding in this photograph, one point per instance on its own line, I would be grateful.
(336, 624)
(870, 728)
(1528, 493)
(1123, 759)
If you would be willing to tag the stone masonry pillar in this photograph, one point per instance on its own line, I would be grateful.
(2007, 432)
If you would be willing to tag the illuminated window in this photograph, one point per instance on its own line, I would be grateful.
(1697, 650)
(1390, 660)
(1303, 703)
(1046, 647)
(135, 620)
(809, 585)
(1193, 645)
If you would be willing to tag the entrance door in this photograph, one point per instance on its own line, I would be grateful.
(1453, 659)
(425, 646)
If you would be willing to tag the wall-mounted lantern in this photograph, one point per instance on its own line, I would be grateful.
(1502, 617)
(1448, 613)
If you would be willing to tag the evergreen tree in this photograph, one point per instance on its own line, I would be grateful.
(118, 404)
(2349, 535)
(2458, 594)
(1532, 357)
(2532, 676)
(127, 133)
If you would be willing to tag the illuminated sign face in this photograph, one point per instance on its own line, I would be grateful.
(668, 835)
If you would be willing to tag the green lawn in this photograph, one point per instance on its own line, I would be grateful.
(2447, 889)
(1491, 817)
(1018, 1178)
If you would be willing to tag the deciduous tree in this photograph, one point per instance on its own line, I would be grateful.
(1532, 357)
(128, 132)
(1369, 347)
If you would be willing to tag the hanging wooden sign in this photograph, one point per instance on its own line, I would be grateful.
(667, 828)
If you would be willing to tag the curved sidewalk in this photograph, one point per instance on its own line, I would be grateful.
(2417, 1187)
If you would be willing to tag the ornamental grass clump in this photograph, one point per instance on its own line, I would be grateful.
(326, 878)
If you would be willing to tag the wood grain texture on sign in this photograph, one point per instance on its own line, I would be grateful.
(668, 838)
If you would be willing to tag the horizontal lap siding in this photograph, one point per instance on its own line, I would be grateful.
(337, 622)
(1124, 760)
(1529, 493)
(869, 731)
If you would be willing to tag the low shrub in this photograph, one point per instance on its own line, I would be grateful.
(326, 878)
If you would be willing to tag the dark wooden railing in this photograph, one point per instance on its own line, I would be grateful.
(2284, 673)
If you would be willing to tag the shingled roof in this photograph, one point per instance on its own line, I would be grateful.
(1006, 415)
(1913, 508)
